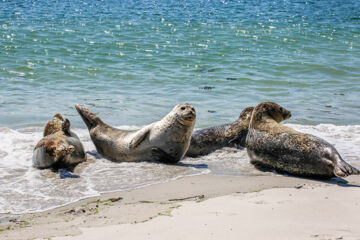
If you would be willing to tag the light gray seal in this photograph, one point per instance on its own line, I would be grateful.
(59, 147)
(207, 140)
(275, 146)
(165, 141)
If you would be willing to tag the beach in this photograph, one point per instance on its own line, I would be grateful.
(206, 207)
(130, 62)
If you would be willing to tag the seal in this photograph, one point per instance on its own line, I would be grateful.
(59, 147)
(207, 140)
(165, 141)
(272, 145)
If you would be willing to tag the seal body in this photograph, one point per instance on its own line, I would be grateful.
(272, 145)
(59, 147)
(207, 140)
(166, 140)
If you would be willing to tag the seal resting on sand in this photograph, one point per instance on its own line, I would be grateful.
(275, 146)
(59, 147)
(165, 141)
(207, 140)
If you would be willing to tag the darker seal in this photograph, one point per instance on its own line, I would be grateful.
(275, 146)
(207, 140)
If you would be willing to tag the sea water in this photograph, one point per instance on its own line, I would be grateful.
(130, 62)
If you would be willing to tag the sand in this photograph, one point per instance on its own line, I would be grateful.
(205, 207)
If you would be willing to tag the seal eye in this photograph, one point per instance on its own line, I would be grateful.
(182, 108)
(281, 109)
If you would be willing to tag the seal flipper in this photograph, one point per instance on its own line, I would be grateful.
(160, 155)
(90, 119)
(139, 138)
(66, 127)
(239, 139)
(62, 150)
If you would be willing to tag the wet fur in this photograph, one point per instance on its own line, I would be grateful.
(59, 147)
(207, 140)
(171, 135)
(275, 146)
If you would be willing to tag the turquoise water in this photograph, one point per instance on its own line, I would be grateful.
(132, 61)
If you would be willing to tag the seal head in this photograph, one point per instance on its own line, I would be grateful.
(185, 114)
(269, 111)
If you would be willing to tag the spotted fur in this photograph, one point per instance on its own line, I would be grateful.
(59, 147)
(207, 140)
(275, 146)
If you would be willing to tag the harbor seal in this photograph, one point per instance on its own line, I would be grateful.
(59, 147)
(165, 141)
(275, 146)
(207, 140)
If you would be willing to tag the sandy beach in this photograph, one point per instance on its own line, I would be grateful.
(204, 207)
(130, 63)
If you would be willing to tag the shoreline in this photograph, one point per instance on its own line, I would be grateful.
(139, 206)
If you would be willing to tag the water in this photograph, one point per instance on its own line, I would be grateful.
(132, 61)
(26, 189)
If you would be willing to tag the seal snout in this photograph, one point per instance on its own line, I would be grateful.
(187, 112)
(190, 114)
(287, 115)
(189, 117)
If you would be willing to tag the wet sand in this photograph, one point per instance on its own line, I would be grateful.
(205, 207)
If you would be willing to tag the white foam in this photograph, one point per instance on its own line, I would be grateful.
(26, 189)
(345, 139)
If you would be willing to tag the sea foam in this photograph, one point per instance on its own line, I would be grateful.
(26, 189)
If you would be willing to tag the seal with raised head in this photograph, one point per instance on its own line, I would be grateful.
(272, 145)
(59, 147)
(165, 141)
(207, 140)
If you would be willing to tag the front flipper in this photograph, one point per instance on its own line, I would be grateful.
(239, 139)
(66, 127)
(159, 155)
(62, 150)
(49, 151)
(139, 137)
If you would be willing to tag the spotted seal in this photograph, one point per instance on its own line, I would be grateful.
(59, 147)
(275, 146)
(207, 140)
(165, 141)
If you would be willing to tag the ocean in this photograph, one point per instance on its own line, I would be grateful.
(130, 62)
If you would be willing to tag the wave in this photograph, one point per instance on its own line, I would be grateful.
(25, 189)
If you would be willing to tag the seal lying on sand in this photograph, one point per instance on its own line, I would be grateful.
(275, 146)
(60, 147)
(207, 140)
(165, 141)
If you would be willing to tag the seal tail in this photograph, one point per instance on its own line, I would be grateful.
(344, 169)
(90, 119)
